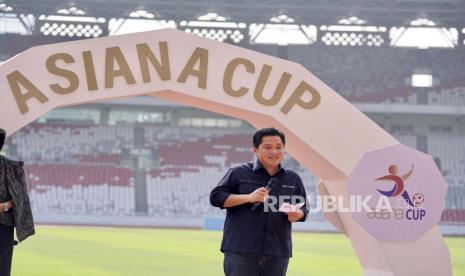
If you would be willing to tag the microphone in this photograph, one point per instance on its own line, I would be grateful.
(270, 185)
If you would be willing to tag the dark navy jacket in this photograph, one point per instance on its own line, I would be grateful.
(256, 231)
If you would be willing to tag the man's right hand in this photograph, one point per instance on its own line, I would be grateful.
(9, 205)
(259, 195)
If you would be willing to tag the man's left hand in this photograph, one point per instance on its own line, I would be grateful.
(295, 216)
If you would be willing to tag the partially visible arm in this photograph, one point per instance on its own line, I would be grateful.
(259, 195)
(222, 190)
(8, 205)
(234, 200)
(302, 213)
(224, 195)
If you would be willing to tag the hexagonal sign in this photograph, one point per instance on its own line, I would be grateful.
(401, 191)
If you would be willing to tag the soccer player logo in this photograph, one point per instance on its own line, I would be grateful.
(399, 184)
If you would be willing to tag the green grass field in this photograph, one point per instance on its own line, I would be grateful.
(85, 251)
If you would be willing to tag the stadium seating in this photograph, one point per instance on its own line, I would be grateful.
(450, 149)
(84, 170)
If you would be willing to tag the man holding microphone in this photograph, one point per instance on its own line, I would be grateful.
(257, 240)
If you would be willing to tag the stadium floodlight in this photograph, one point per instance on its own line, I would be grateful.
(352, 31)
(422, 22)
(282, 19)
(11, 22)
(142, 14)
(423, 33)
(282, 31)
(5, 8)
(214, 26)
(352, 20)
(211, 16)
(118, 26)
(71, 11)
(422, 80)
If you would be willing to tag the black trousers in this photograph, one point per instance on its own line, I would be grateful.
(243, 264)
(6, 249)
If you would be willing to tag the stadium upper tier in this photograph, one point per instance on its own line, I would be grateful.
(385, 75)
(363, 74)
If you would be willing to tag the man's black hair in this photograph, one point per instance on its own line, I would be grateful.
(270, 131)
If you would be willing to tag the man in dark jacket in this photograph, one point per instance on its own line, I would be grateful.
(257, 239)
(15, 208)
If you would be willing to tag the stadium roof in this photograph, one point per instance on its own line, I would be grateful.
(376, 12)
